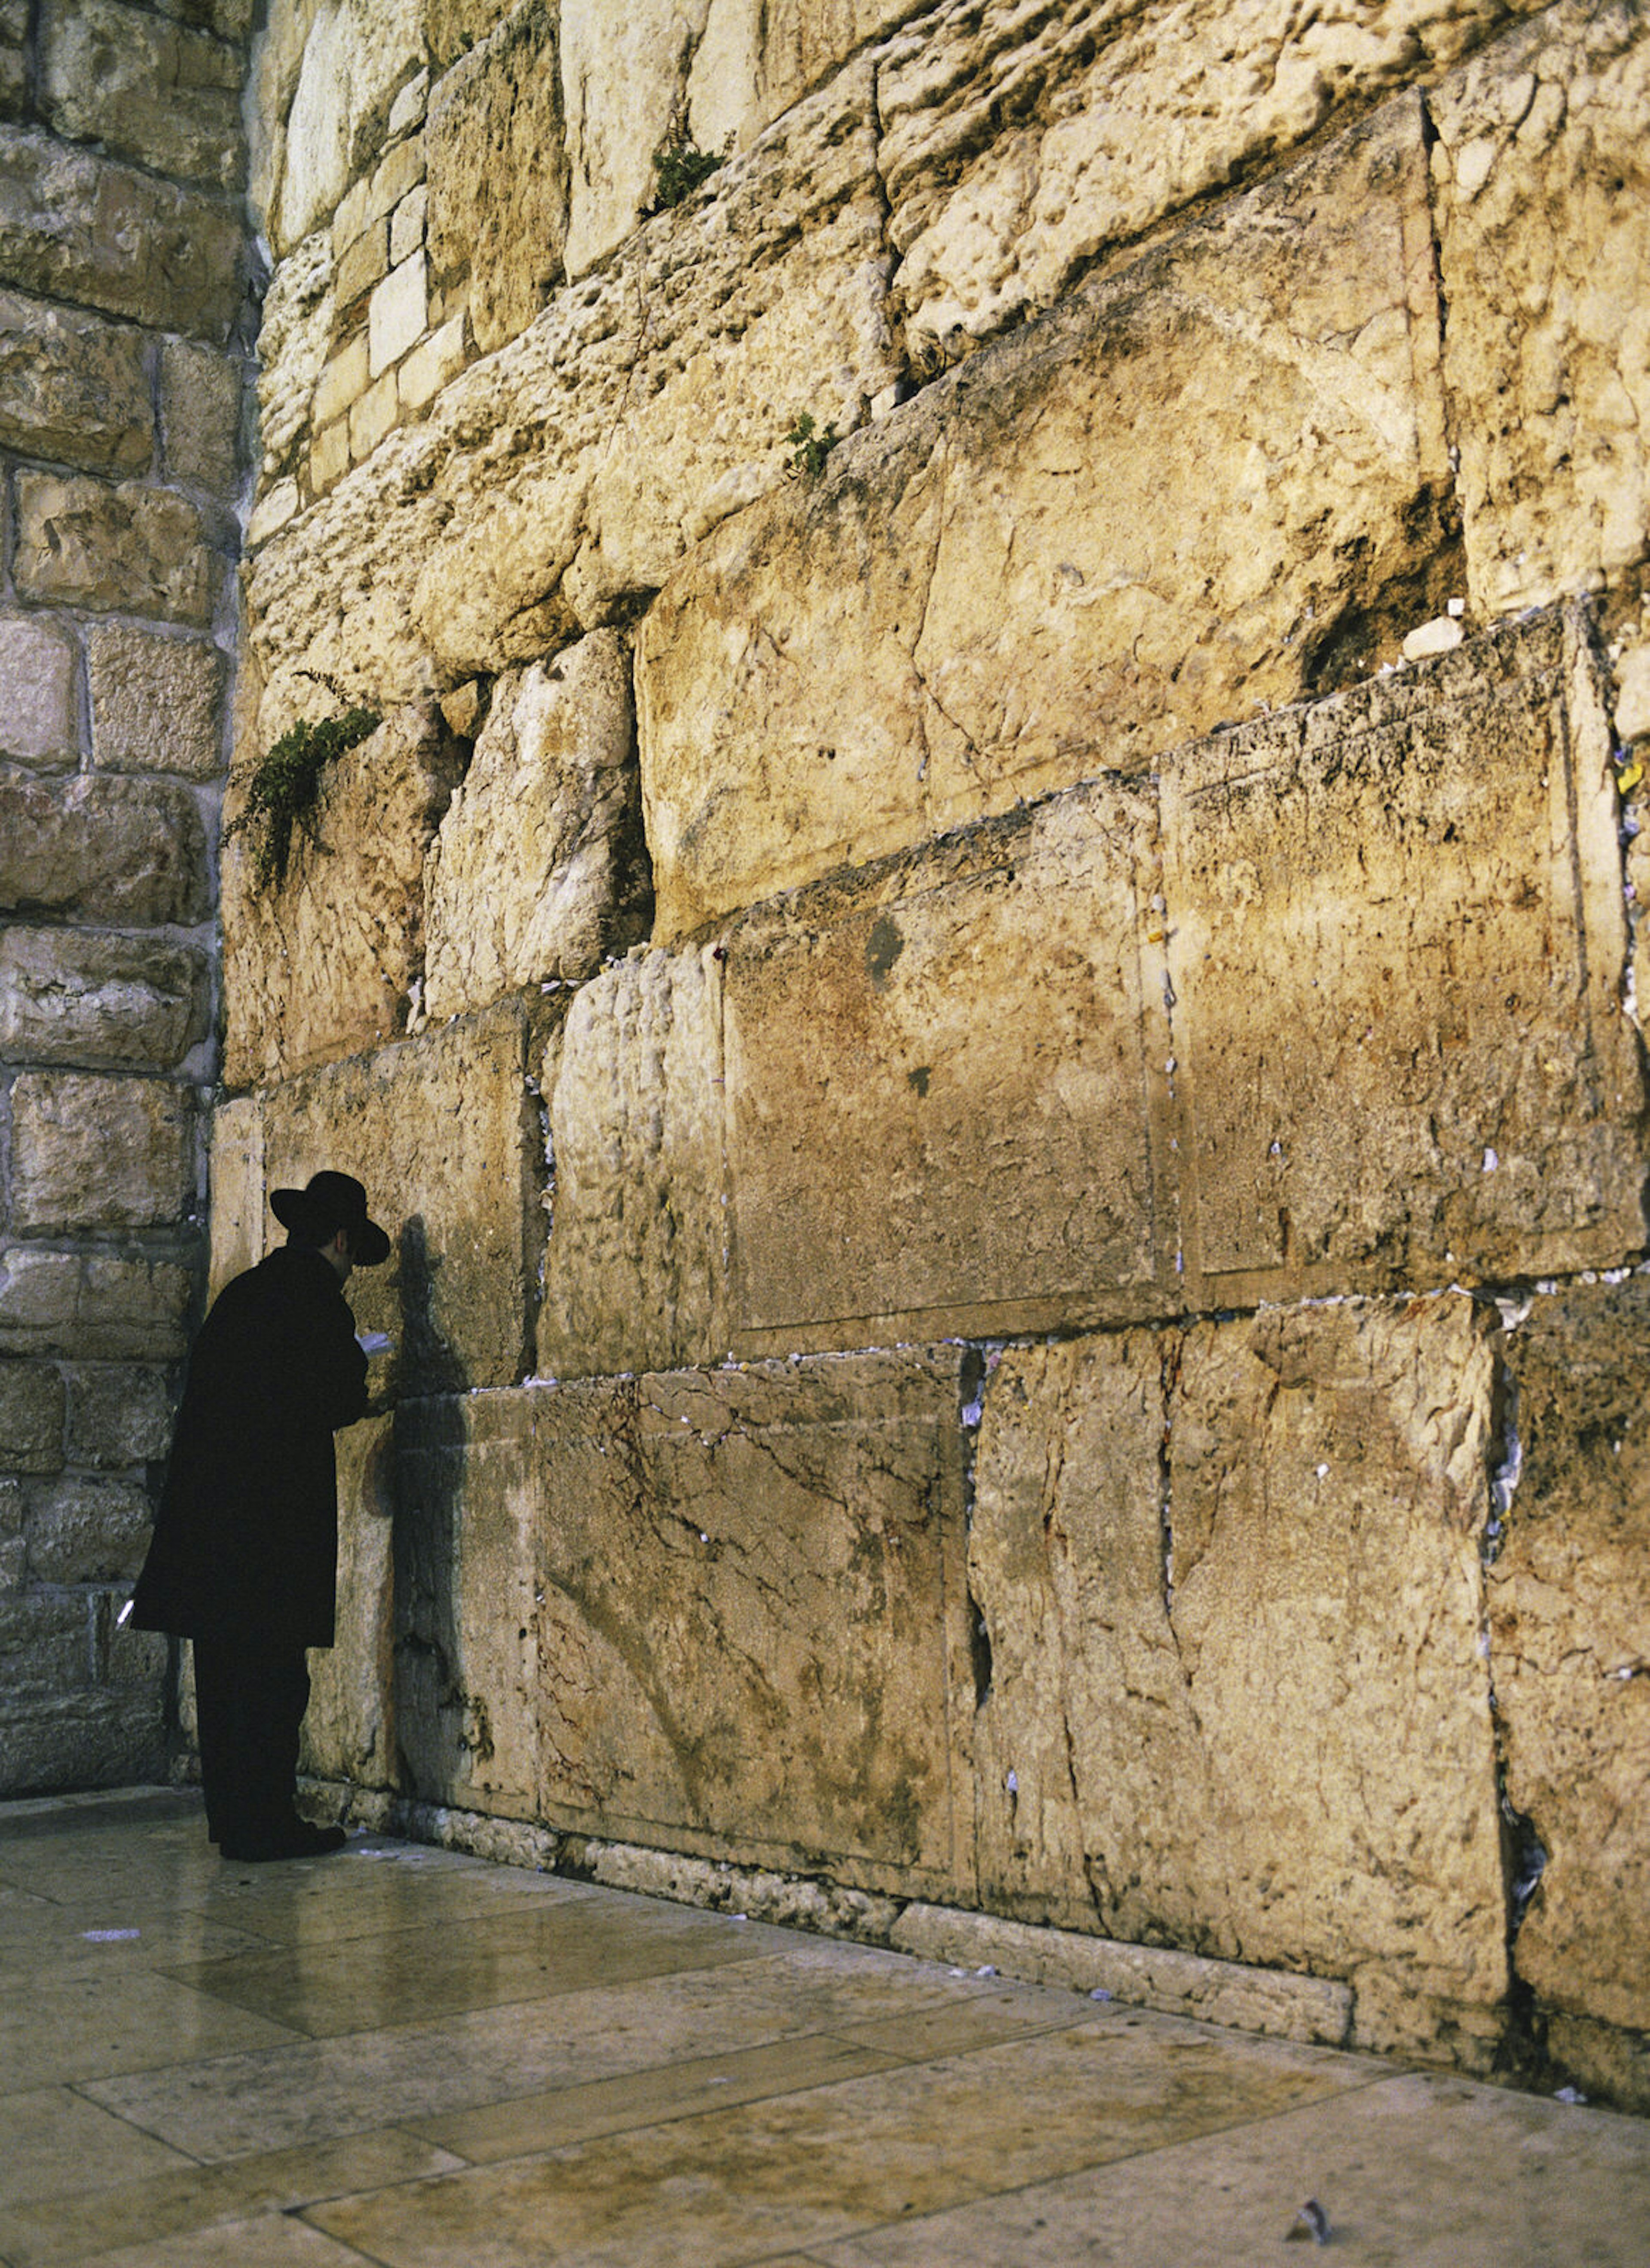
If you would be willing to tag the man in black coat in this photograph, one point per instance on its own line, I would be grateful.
(244, 1560)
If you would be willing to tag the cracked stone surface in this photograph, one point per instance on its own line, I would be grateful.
(1231, 1586)
(1569, 1647)
(1009, 585)
(712, 1551)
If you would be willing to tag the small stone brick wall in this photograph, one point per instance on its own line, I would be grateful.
(123, 379)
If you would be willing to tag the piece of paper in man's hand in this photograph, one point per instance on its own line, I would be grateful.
(374, 1341)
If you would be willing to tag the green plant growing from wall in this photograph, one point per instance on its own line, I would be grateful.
(679, 167)
(284, 787)
(810, 444)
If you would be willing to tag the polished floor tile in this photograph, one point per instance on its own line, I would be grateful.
(410, 2058)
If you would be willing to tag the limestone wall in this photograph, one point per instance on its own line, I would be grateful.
(1002, 1051)
(122, 379)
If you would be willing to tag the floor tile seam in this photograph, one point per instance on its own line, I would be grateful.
(77, 2088)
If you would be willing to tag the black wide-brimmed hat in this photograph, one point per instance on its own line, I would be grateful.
(329, 1203)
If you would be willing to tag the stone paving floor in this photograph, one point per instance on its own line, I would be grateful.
(409, 2056)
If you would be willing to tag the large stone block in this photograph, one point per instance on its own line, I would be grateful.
(115, 849)
(1569, 1647)
(53, 1741)
(75, 997)
(82, 1530)
(73, 388)
(495, 149)
(906, 1049)
(1023, 144)
(125, 549)
(446, 1136)
(636, 1272)
(40, 721)
(85, 1304)
(539, 868)
(93, 1153)
(1012, 582)
(293, 346)
(169, 98)
(157, 703)
(349, 1730)
(31, 1418)
(1398, 947)
(625, 440)
(333, 75)
(1231, 1588)
(44, 1644)
(241, 1225)
(747, 1636)
(324, 963)
(76, 227)
(1543, 200)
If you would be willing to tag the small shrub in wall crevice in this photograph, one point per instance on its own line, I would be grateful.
(284, 787)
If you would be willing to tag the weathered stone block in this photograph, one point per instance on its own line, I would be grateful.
(1569, 1647)
(622, 437)
(350, 1729)
(428, 368)
(1543, 199)
(75, 227)
(31, 1418)
(539, 867)
(96, 1001)
(324, 964)
(336, 93)
(636, 1272)
(1217, 1572)
(45, 1643)
(375, 416)
(444, 1133)
(73, 388)
(168, 98)
(294, 345)
(126, 550)
(343, 382)
(119, 1414)
(201, 400)
(880, 1102)
(359, 267)
(407, 225)
(119, 850)
(1021, 145)
(51, 1742)
(1010, 583)
(397, 313)
(39, 715)
(1397, 941)
(750, 1639)
(498, 185)
(66, 1303)
(82, 1530)
(90, 1153)
(157, 703)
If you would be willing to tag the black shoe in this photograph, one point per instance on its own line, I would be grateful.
(299, 1840)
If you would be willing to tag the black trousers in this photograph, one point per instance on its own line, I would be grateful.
(250, 1696)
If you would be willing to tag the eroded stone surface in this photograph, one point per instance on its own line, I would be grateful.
(1218, 1571)
(717, 1551)
(1397, 948)
(497, 218)
(31, 1405)
(241, 1225)
(622, 437)
(115, 849)
(86, 1531)
(91, 1303)
(125, 548)
(445, 1135)
(73, 388)
(350, 1725)
(201, 398)
(323, 964)
(157, 703)
(1544, 209)
(90, 1152)
(78, 997)
(168, 97)
(331, 75)
(1010, 583)
(39, 722)
(538, 868)
(1570, 1637)
(906, 1049)
(1021, 144)
(636, 1269)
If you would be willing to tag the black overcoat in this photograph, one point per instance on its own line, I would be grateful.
(247, 1539)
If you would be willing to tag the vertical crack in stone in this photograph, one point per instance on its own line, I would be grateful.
(1173, 1346)
(1523, 1854)
(976, 1365)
